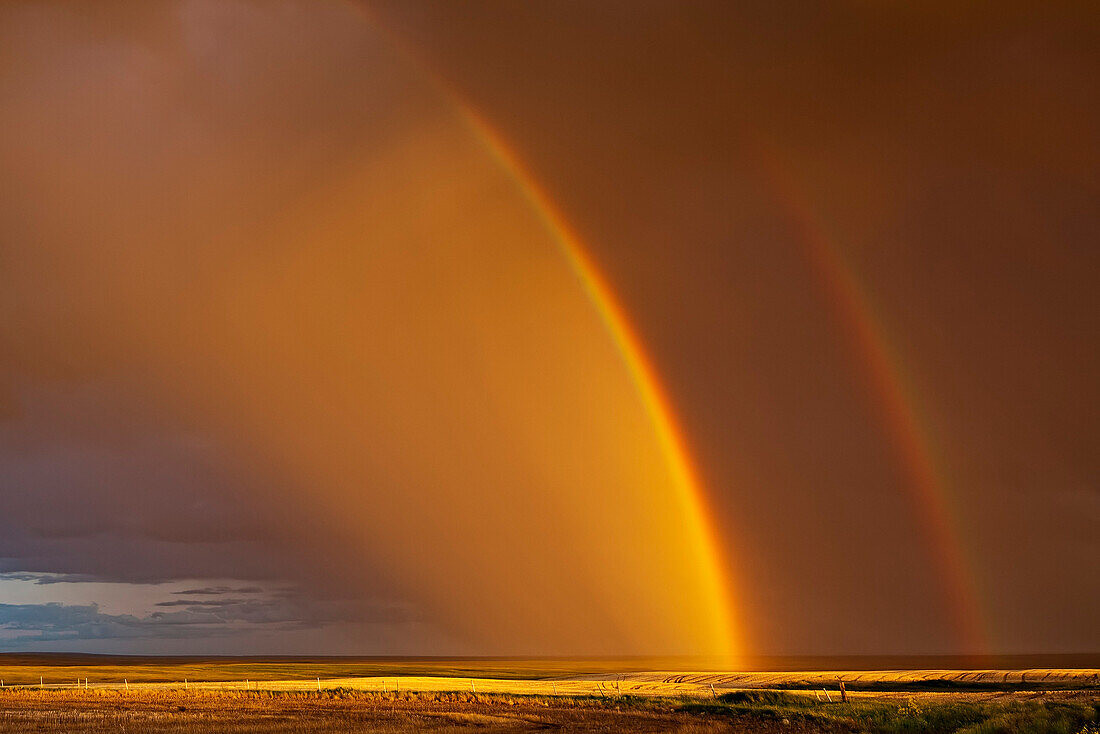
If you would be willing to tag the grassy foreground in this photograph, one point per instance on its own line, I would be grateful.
(345, 710)
(1068, 713)
(49, 693)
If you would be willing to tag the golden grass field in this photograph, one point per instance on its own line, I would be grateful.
(517, 676)
(701, 684)
(240, 695)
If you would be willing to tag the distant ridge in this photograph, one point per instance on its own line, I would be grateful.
(779, 663)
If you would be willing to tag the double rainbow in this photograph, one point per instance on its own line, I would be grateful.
(878, 362)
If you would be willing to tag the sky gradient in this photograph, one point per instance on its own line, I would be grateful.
(291, 359)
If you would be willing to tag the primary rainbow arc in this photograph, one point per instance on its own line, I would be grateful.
(724, 633)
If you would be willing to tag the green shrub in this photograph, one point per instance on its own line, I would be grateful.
(765, 698)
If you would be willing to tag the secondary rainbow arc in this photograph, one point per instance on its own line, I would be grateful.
(893, 395)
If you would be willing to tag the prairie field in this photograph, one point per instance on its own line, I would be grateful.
(147, 709)
(85, 694)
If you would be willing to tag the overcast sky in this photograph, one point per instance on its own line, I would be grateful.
(223, 428)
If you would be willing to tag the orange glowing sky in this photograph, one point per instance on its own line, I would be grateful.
(401, 328)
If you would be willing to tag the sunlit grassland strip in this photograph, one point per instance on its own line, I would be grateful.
(313, 677)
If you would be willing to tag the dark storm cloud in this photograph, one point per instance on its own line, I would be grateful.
(45, 579)
(55, 621)
(219, 590)
(169, 486)
(199, 603)
(28, 624)
(291, 609)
